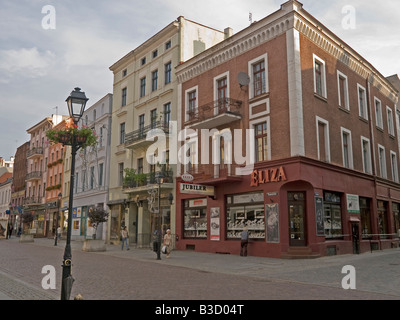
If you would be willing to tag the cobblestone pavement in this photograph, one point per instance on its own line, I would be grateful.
(187, 275)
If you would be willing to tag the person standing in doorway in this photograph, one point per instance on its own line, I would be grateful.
(244, 241)
(124, 238)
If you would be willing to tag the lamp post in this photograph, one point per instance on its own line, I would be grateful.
(76, 106)
(159, 180)
(57, 217)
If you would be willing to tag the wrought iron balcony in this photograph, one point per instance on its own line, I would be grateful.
(34, 152)
(138, 137)
(35, 175)
(214, 114)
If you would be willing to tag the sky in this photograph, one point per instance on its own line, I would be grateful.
(47, 48)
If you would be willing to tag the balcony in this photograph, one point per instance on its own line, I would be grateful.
(142, 182)
(137, 138)
(215, 114)
(214, 174)
(35, 175)
(32, 201)
(34, 152)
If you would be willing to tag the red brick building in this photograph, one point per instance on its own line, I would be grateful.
(317, 174)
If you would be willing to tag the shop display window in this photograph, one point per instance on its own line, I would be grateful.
(382, 219)
(365, 214)
(332, 215)
(244, 211)
(195, 219)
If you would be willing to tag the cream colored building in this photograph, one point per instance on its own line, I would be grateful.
(145, 97)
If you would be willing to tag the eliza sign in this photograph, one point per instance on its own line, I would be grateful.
(267, 175)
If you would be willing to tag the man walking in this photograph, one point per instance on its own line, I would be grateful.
(124, 238)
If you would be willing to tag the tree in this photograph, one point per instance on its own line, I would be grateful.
(97, 215)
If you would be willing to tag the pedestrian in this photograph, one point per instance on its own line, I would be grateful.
(168, 242)
(124, 238)
(244, 241)
(59, 232)
(10, 229)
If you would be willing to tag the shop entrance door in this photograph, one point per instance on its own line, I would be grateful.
(356, 237)
(297, 223)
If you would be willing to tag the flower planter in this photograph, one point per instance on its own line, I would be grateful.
(26, 238)
(94, 245)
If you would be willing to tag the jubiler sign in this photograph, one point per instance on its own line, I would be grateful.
(196, 189)
(267, 175)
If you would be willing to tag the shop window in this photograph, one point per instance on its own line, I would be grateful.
(332, 215)
(382, 219)
(396, 217)
(195, 218)
(365, 214)
(245, 210)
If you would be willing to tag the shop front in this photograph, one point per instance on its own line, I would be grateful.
(291, 208)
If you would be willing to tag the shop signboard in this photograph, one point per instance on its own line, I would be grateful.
(214, 223)
(319, 215)
(353, 204)
(197, 189)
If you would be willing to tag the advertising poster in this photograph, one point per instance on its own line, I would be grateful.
(214, 223)
(3, 229)
(272, 216)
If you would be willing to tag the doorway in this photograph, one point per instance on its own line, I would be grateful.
(297, 219)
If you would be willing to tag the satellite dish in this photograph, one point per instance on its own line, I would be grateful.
(243, 79)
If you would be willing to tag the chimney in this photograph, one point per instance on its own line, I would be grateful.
(228, 32)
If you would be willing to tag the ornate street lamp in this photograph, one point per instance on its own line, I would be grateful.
(76, 106)
(159, 180)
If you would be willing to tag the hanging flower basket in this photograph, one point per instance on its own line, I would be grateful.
(84, 136)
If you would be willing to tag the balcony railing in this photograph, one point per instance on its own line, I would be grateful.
(37, 151)
(214, 173)
(35, 175)
(32, 200)
(140, 135)
(229, 107)
(146, 179)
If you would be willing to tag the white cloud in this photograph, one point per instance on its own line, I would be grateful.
(26, 62)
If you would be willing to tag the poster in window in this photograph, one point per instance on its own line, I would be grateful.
(272, 216)
(319, 216)
(214, 223)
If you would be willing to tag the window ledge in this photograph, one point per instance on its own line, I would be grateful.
(320, 97)
(344, 110)
(259, 97)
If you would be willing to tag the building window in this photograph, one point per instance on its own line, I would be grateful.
(366, 155)
(261, 141)
(167, 114)
(365, 215)
(101, 168)
(332, 215)
(390, 121)
(124, 72)
(153, 118)
(141, 126)
(192, 104)
(92, 177)
(362, 102)
(323, 145)
(143, 61)
(123, 97)
(396, 216)
(378, 113)
(154, 80)
(319, 77)
(155, 54)
(168, 73)
(122, 133)
(168, 45)
(143, 87)
(382, 161)
(347, 149)
(395, 169)
(120, 173)
(247, 210)
(140, 165)
(259, 78)
(343, 91)
(222, 89)
(195, 218)
(83, 180)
